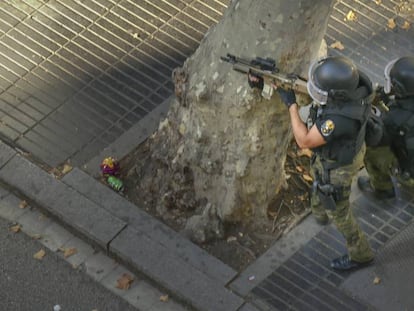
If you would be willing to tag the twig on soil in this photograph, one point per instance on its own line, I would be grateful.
(250, 239)
(246, 249)
(276, 216)
(291, 211)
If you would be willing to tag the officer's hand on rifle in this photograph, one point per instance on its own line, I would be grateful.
(288, 97)
(255, 81)
(382, 96)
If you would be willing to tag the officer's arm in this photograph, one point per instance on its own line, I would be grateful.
(304, 138)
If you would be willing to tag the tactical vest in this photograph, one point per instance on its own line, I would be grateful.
(399, 125)
(343, 151)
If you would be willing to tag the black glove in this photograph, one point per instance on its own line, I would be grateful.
(287, 96)
(255, 81)
(380, 93)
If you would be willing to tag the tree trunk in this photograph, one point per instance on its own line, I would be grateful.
(221, 151)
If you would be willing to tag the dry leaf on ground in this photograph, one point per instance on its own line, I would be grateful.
(36, 236)
(299, 169)
(307, 177)
(377, 280)
(23, 204)
(15, 228)
(66, 169)
(39, 255)
(67, 252)
(351, 16)
(231, 239)
(337, 45)
(124, 282)
(406, 25)
(378, 2)
(391, 23)
(164, 298)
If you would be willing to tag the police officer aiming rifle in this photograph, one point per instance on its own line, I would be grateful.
(394, 154)
(335, 132)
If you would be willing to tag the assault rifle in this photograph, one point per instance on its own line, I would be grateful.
(266, 68)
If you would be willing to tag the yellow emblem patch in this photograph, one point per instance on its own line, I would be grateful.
(327, 127)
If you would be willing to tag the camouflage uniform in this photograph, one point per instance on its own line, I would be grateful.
(379, 163)
(357, 244)
(393, 152)
(336, 163)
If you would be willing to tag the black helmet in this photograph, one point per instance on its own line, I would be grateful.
(399, 77)
(332, 77)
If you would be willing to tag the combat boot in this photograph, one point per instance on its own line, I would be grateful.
(345, 263)
(364, 184)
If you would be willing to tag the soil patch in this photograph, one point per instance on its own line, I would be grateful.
(242, 244)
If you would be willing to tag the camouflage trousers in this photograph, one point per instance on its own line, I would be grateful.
(342, 177)
(380, 162)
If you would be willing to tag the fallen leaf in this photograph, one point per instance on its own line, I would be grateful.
(406, 25)
(299, 168)
(23, 204)
(351, 16)
(305, 152)
(124, 282)
(231, 239)
(391, 23)
(36, 236)
(337, 45)
(378, 2)
(377, 280)
(303, 197)
(15, 228)
(164, 298)
(307, 177)
(67, 252)
(66, 169)
(39, 255)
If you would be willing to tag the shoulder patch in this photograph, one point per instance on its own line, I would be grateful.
(327, 127)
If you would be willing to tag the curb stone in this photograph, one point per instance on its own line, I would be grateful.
(87, 260)
(150, 226)
(172, 272)
(167, 259)
(63, 202)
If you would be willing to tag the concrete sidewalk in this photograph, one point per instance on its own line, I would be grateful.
(121, 230)
(292, 275)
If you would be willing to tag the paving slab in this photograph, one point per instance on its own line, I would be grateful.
(387, 284)
(275, 256)
(99, 266)
(6, 153)
(135, 217)
(72, 208)
(305, 280)
(172, 272)
(9, 208)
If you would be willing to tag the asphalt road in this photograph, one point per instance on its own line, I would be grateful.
(27, 284)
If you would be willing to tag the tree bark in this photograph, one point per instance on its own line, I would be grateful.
(222, 146)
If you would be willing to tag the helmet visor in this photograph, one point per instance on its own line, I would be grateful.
(318, 95)
(387, 70)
